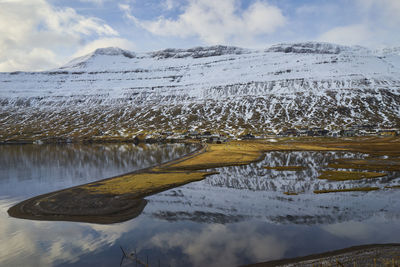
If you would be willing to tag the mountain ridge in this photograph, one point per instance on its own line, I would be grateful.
(116, 92)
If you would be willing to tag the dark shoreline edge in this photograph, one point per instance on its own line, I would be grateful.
(329, 255)
(25, 209)
(71, 204)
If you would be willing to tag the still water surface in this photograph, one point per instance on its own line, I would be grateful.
(236, 217)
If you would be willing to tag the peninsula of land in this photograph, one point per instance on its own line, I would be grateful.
(122, 197)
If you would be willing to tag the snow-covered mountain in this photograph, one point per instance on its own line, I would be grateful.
(116, 92)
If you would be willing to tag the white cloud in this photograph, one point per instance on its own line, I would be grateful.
(347, 35)
(96, 2)
(216, 22)
(389, 8)
(381, 13)
(126, 9)
(218, 245)
(31, 60)
(65, 242)
(33, 34)
(169, 4)
(376, 23)
(351, 229)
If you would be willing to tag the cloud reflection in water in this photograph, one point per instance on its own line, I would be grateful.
(222, 245)
(239, 216)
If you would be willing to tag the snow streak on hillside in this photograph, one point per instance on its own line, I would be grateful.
(112, 91)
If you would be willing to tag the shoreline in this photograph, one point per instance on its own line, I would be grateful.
(123, 140)
(118, 215)
(121, 197)
(381, 254)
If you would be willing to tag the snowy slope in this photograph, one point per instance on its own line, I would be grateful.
(219, 87)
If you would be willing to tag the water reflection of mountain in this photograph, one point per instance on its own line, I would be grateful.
(190, 225)
(250, 191)
(28, 170)
(254, 177)
(31, 169)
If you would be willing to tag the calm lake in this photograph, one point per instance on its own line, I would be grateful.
(236, 217)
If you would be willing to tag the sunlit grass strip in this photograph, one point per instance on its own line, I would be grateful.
(358, 189)
(371, 164)
(285, 168)
(218, 155)
(393, 187)
(144, 183)
(121, 198)
(367, 167)
(239, 153)
(291, 193)
(349, 175)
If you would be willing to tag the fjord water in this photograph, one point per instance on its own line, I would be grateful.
(238, 216)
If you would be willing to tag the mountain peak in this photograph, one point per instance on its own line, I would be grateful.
(308, 47)
(82, 62)
(216, 88)
(199, 52)
(391, 51)
(114, 51)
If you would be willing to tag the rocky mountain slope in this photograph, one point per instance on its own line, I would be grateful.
(114, 92)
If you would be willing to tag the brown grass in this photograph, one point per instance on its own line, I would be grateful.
(367, 164)
(393, 187)
(291, 193)
(357, 189)
(349, 175)
(240, 153)
(93, 198)
(143, 183)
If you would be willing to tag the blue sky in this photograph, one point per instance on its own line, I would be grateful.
(44, 34)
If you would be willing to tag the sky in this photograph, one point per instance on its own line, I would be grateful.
(45, 34)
